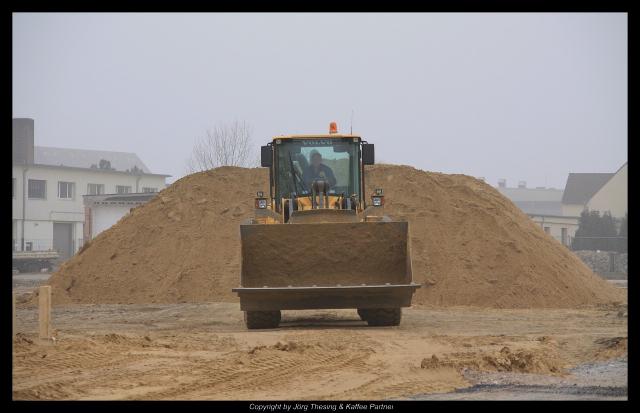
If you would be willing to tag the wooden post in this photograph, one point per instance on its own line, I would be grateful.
(14, 315)
(44, 309)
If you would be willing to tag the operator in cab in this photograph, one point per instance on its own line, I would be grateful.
(317, 170)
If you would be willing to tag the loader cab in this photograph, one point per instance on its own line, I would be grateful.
(292, 186)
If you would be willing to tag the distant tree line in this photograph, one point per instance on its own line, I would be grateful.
(106, 165)
(599, 232)
(103, 164)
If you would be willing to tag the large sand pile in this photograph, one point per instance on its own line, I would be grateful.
(470, 245)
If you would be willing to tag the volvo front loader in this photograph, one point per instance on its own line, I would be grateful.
(315, 242)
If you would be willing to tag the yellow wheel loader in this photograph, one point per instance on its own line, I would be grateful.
(315, 243)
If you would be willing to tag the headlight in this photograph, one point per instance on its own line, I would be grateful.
(377, 199)
(261, 203)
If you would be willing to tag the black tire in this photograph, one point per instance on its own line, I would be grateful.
(261, 319)
(379, 317)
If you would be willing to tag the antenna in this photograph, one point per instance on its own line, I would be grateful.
(351, 132)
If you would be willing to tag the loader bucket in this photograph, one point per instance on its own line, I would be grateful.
(325, 254)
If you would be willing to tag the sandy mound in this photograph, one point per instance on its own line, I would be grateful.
(473, 246)
(470, 245)
(520, 361)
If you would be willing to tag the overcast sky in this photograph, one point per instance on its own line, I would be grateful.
(518, 96)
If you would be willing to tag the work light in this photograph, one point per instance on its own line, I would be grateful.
(377, 199)
(261, 201)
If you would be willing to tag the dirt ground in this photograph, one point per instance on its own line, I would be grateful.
(203, 351)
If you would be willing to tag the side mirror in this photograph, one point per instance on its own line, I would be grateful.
(368, 154)
(266, 156)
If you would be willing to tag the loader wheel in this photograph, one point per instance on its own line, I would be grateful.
(381, 316)
(261, 319)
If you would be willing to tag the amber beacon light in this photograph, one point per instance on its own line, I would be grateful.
(333, 127)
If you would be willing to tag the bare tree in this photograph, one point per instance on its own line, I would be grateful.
(224, 145)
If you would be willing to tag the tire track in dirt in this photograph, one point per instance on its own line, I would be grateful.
(70, 369)
(264, 368)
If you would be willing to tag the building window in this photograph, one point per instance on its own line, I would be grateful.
(147, 189)
(547, 230)
(95, 189)
(123, 189)
(65, 190)
(37, 189)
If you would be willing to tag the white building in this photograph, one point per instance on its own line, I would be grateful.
(613, 195)
(49, 185)
(603, 192)
(580, 188)
(544, 206)
(103, 211)
(558, 211)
